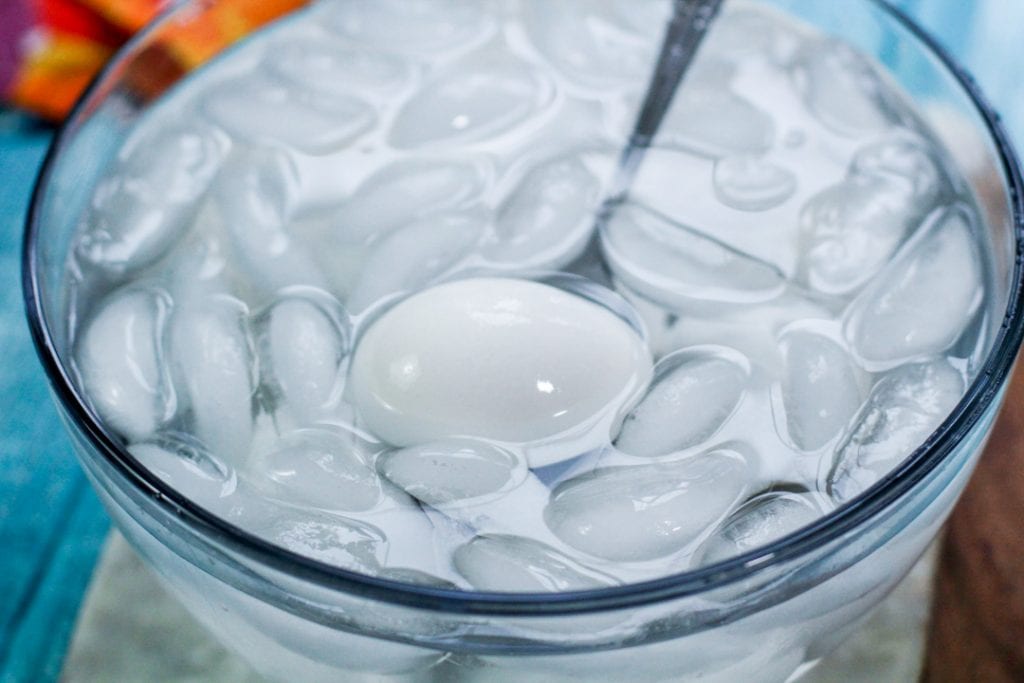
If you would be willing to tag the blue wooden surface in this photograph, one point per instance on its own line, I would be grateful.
(51, 525)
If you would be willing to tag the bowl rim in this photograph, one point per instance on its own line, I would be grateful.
(851, 515)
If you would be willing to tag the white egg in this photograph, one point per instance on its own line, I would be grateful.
(511, 360)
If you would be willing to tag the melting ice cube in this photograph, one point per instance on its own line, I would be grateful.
(120, 360)
(589, 45)
(920, 304)
(514, 564)
(842, 89)
(412, 256)
(332, 539)
(404, 192)
(694, 392)
(212, 354)
(675, 265)
(821, 388)
(474, 99)
(643, 512)
(302, 346)
(450, 471)
(752, 184)
(425, 26)
(185, 464)
(549, 217)
(711, 120)
(142, 208)
(757, 522)
(320, 468)
(256, 197)
(904, 407)
(267, 111)
(331, 68)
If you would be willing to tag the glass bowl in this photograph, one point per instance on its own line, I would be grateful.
(763, 615)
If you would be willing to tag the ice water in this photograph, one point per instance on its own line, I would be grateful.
(404, 197)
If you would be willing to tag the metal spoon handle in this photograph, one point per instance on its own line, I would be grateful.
(686, 30)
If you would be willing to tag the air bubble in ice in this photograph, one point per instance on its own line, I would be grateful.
(904, 407)
(450, 471)
(426, 26)
(412, 256)
(752, 184)
(675, 265)
(821, 388)
(693, 394)
(142, 208)
(120, 360)
(329, 68)
(758, 522)
(212, 353)
(321, 468)
(842, 89)
(548, 218)
(920, 304)
(510, 564)
(264, 111)
(402, 193)
(710, 120)
(302, 346)
(472, 100)
(185, 464)
(644, 512)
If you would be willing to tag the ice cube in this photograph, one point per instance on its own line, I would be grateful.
(588, 44)
(515, 510)
(751, 329)
(548, 219)
(337, 70)
(904, 407)
(120, 360)
(694, 392)
(707, 118)
(673, 264)
(303, 342)
(747, 32)
(849, 231)
(512, 564)
(453, 470)
(842, 88)
(404, 192)
(920, 304)
(142, 208)
(184, 463)
(256, 197)
(903, 159)
(752, 184)
(821, 389)
(334, 540)
(757, 522)
(412, 256)
(644, 512)
(326, 469)
(267, 111)
(426, 26)
(472, 100)
(212, 357)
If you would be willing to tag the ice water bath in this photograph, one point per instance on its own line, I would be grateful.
(347, 289)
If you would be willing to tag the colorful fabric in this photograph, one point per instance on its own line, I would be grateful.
(51, 49)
